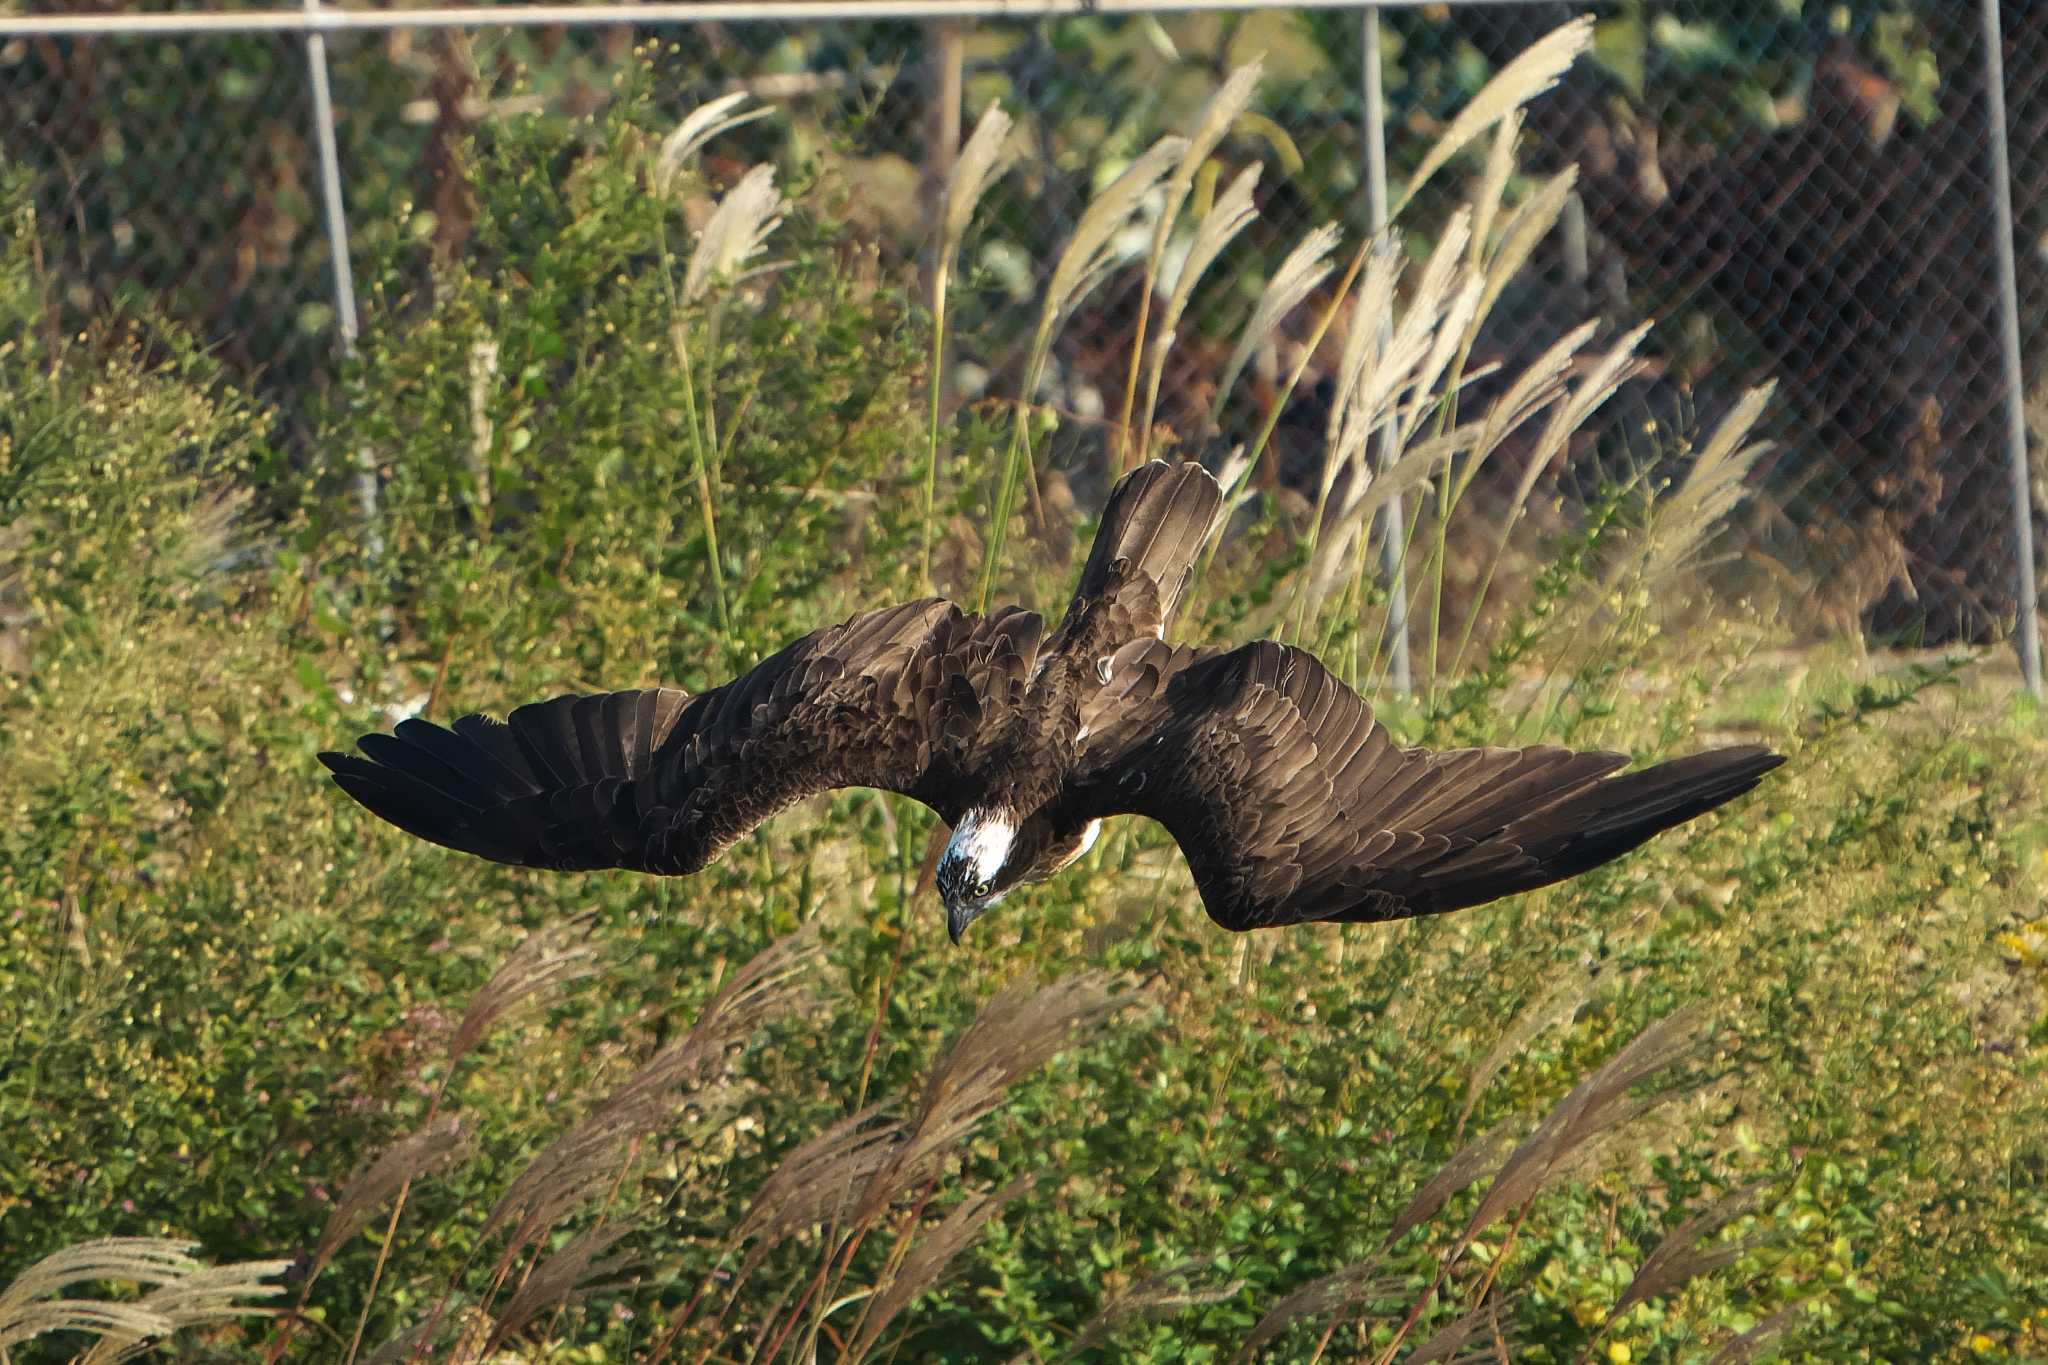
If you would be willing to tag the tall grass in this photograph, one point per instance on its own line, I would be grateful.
(1082, 266)
(182, 1292)
(981, 161)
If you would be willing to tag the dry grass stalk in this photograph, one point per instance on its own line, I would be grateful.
(584, 1266)
(1365, 408)
(210, 1294)
(1556, 1008)
(1414, 467)
(1015, 1033)
(817, 1182)
(1753, 1343)
(1303, 268)
(1534, 71)
(1233, 472)
(1158, 1295)
(404, 1346)
(1466, 1165)
(208, 537)
(1685, 1254)
(1415, 464)
(1493, 184)
(545, 962)
(1468, 1339)
(1540, 387)
(1319, 1298)
(413, 1157)
(186, 1291)
(1086, 259)
(737, 232)
(1230, 215)
(1392, 385)
(1595, 1110)
(1225, 105)
(1373, 301)
(1368, 394)
(1454, 335)
(1607, 376)
(1233, 211)
(699, 127)
(1595, 1105)
(472, 1326)
(1601, 382)
(27, 1308)
(569, 1174)
(1628, 1130)
(1458, 289)
(1717, 481)
(857, 1168)
(1535, 389)
(981, 163)
(927, 1261)
(142, 1260)
(1530, 224)
(118, 1321)
(583, 1161)
(777, 982)
(593, 1156)
(1443, 275)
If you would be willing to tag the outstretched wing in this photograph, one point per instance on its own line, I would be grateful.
(1291, 803)
(662, 782)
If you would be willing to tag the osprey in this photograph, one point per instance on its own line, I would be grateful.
(1289, 801)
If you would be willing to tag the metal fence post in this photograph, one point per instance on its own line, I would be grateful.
(337, 253)
(1393, 520)
(2028, 626)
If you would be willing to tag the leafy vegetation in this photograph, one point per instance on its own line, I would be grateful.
(1771, 1084)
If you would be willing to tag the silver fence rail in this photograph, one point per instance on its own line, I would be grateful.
(1845, 198)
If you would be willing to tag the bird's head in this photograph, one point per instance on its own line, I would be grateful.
(973, 872)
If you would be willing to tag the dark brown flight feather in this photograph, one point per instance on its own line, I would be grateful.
(1292, 803)
(1289, 800)
(658, 781)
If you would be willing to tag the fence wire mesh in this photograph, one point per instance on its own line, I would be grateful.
(1798, 193)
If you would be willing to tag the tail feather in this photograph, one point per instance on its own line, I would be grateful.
(1157, 520)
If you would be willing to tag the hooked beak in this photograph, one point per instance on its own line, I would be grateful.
(958, 917)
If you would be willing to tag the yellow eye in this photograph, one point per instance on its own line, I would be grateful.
(982, 889)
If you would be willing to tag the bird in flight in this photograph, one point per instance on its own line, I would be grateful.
(1289, 801)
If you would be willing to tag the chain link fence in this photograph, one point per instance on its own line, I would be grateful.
(1802, 193)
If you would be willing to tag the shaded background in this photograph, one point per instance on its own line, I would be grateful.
(1798, 193)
